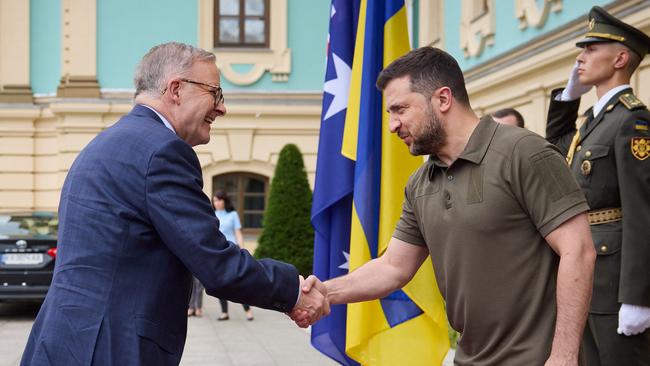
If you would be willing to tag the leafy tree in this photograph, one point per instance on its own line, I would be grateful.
(287, 232)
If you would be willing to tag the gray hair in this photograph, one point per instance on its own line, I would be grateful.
(163, 62)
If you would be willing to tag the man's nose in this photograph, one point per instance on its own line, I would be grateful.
(221, 108)
(393, 124)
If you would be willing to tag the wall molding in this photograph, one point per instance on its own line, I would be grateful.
(564, 36)
(529, 14)
(43, 139)
(431, 23)
(524, 77)
(476, 27)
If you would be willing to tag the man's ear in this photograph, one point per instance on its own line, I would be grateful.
(444, 98)
(622, 59)
(173, 88)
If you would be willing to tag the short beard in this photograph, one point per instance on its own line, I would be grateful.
(433, 136)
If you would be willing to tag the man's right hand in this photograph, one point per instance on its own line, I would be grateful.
(574, 89)
(313, 303)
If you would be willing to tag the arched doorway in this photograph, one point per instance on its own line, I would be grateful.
(248, 192)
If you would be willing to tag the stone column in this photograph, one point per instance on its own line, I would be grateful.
(79, 43)
(14, 52)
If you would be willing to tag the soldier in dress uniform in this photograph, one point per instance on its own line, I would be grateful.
(609, 153)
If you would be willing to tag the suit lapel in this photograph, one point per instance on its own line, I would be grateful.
(588, 125)
(586, 128)
(588, 119)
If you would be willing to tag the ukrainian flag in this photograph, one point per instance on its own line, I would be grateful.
(408, 327)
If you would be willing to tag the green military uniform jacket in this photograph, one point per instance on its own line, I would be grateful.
(612, 165)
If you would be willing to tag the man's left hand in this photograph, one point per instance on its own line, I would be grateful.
(633, 319)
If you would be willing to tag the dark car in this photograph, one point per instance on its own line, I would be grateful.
(27, 253)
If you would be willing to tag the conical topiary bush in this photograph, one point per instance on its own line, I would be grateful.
(287, 233)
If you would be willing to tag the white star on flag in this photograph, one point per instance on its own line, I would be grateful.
(338, 87)
(346, 265)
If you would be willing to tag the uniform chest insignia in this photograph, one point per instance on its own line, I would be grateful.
(640, 147)
(585, 168)
(641, 125)
(630, 101)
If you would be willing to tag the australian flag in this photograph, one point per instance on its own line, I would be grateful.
(332, 202)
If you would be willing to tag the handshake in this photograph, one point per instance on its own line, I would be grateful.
(313, 303)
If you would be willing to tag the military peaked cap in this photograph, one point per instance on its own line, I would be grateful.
(603, 27)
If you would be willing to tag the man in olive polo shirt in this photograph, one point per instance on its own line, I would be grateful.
(500, 214)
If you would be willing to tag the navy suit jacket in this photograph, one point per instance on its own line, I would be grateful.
(134, 226)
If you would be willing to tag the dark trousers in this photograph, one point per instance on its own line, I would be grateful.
(196, 300)
(224, 306)
(605, 347)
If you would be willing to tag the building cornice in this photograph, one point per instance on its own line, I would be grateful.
(548, 48)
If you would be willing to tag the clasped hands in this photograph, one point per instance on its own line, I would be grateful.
(312, 304)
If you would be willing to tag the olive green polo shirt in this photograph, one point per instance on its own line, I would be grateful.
(484, 219)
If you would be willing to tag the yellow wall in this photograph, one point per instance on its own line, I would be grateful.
(38, 142)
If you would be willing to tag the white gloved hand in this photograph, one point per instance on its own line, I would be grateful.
(633, 319)
(574, 89)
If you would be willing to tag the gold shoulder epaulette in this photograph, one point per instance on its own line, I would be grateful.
(630, 101)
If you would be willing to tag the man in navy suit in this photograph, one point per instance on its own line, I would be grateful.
(135, 225)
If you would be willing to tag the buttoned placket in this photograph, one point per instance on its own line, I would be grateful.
(447, 188)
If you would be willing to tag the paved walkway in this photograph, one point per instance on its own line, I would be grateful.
(271, 339)
(15, 323)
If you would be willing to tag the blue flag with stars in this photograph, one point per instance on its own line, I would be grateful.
(332, 202)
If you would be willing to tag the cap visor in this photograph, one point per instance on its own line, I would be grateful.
(581, 43)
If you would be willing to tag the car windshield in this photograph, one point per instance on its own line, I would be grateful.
(35, 225)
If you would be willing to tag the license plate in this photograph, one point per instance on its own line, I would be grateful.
(22, 258)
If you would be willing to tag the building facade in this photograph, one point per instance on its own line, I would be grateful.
(66, 69)
(514, 52)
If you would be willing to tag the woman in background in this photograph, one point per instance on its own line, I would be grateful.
(231, 228)
(196, 300)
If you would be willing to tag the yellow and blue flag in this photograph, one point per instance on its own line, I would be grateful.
(360, 177)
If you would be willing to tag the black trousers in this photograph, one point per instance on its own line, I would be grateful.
(224, 306)
(603, 346)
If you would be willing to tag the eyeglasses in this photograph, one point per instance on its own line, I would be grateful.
(214, 90)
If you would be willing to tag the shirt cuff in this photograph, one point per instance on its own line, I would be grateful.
(299, 293)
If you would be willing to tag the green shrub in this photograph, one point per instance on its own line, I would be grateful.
(453, 337)
(287, 233)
